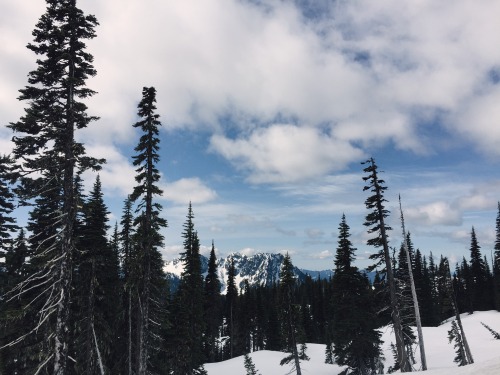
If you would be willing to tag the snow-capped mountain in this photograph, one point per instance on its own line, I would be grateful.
(258, 269)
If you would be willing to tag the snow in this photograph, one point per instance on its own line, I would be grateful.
(485, 351)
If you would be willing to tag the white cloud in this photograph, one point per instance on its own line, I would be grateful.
(325, 254)
(436, 213)
(248, 251)
(283, 153)
(117, 174)
(479, 120)
(171, 252)
(188, 190)
(370, 74)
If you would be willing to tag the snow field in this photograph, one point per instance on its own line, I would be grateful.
(485, 351)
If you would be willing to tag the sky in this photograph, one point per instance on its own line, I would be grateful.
(269, 107)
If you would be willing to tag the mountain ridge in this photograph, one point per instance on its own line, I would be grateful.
(259, 269)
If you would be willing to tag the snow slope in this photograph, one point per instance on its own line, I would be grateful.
(485, 350)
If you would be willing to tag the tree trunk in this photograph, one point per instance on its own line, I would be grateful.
(396, 319)
(69, 213)
(451, 292)
(414, 294)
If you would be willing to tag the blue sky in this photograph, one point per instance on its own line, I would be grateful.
(268, 107)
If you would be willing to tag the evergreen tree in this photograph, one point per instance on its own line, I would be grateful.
(13, 271)
(250, 366)
(246, 319)
(405, 302)
(408, 247)
(355, 338)
(212, 309)
(97, 288)
(127, 259)
(262, 315)
(148, 224)
(382, 300)
(494, 333)
(273, 341)
(289, 315)
(329, 354)
(454, 335)
(45, 143)
(496, 261)
(481, 299)
(230, 310)
(375, 220)
(7, 222)
(457, 332)
(433, 286)
(444, 297)
(189, 324)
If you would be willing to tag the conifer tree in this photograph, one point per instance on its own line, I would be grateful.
(496, 261)
(289, 315)
(231, 311)
(12, 272)
(329, 353)
(454, 335)
(408, 248)
(15, 259)
(188, 319)
(355, 338)
(246, 319)
(7, 222)
(273, 341)
(249, 365)
(45, 143)
(481, 299)
(127, 259)
(31, 344)
(213, 308)
(375, 220)
(457, 331)
(494, 333)
(97, 289)
(148, 224)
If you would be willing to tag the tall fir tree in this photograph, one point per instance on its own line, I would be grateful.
(127, 273)
(148, 224)
(289, 314)
(212, 309)
(356, 342)
(479, 287)
(405, 301)
(7, 221)
(45, 143)
(187, 339)
(96, 290)
(375, 221)
(496, 261)
(231, 311)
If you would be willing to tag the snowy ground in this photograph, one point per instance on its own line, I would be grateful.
(485, 350)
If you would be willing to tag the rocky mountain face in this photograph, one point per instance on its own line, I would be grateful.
(259, 269)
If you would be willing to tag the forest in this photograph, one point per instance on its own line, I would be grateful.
(76, 300)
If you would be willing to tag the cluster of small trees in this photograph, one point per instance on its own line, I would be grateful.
(75, 301)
